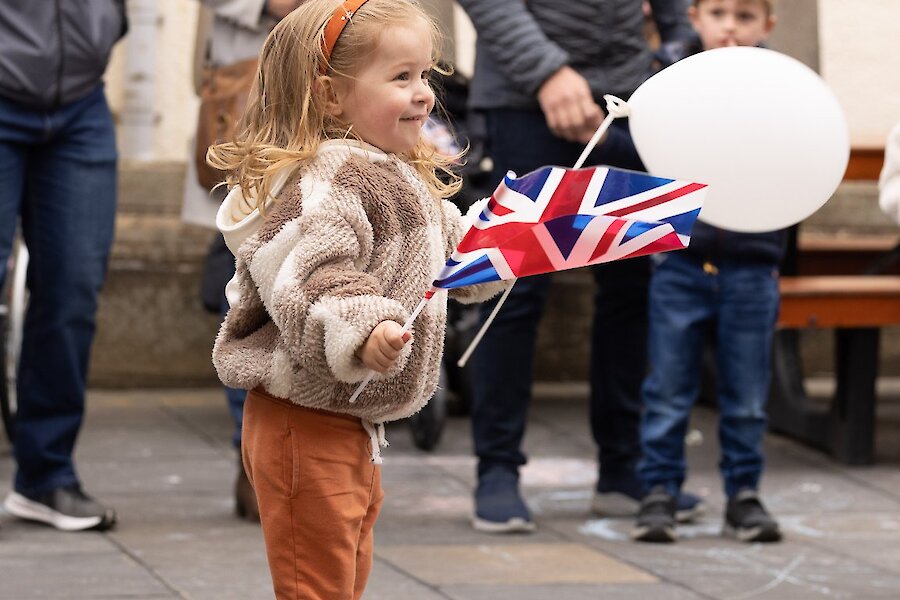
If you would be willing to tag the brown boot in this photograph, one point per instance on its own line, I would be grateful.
(244, 497)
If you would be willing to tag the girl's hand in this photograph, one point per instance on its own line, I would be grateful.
(383, 347)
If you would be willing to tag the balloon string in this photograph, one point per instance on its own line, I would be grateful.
(616, 108)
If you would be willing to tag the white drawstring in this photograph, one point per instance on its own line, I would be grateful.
(376, 438)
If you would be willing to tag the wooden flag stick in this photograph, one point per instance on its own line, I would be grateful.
(406, 327)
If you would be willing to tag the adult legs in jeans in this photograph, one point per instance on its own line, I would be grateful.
(503, 366)
(58, 171)
(618, 358)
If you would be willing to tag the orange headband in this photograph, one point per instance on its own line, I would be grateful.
(335, 27)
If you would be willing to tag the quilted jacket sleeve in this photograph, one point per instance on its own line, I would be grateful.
(514, 39)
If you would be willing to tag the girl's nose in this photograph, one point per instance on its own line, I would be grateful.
(424, 93)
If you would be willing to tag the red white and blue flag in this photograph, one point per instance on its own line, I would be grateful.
(554, 219)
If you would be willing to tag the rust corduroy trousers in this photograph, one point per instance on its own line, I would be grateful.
(319, 496)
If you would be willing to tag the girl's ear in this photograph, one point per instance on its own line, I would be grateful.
(325, 88)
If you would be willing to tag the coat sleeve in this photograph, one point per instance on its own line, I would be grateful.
(514, 40)
(671, 19)
(244, 13)
(889, 183)
(311, 279)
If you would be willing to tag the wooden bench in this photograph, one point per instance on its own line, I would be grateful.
(856, 307)
(821, 254)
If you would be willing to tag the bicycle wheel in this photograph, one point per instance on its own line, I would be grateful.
(12, 320)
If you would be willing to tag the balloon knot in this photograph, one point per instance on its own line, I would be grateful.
(616, 107)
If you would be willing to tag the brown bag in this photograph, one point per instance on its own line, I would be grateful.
(223, 98)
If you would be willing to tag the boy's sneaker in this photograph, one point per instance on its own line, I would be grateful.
(656, 518)
(748, 520)
(621, 504)
(498, 506)
(66, 508)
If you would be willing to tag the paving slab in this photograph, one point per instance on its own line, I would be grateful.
(606, 591)
(388, 583)
(526, 563)
(38, 563)
(163, 458)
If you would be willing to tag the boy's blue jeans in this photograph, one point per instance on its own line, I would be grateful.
(739, 306)
(58, 173)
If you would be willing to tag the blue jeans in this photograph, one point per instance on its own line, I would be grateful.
(503, 364)
(739, 306)
(58, 174)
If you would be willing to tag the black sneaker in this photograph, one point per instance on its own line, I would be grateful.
(747, 519)
(618, 504)
(66, 508)
(656, 517)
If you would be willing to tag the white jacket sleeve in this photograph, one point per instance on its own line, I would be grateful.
(889, 184)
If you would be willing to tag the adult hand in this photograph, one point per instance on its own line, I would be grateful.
(383, 347)
(280, 8)
(569, 107)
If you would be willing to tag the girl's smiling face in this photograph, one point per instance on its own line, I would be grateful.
(388, 100)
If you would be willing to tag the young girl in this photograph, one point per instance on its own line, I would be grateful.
(351, 234)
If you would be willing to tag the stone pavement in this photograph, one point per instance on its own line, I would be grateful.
(162, 458)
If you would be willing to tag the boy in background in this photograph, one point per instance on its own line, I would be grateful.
(725, 283)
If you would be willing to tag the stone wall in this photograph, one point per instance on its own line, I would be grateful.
(152, 330)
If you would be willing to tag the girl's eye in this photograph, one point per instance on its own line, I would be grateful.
(404, 76)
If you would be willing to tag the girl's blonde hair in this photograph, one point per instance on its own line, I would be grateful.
(286, 117)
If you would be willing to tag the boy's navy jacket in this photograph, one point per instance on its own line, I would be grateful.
(707, 241)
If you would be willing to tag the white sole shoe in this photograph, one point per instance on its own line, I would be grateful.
(20, 506)
(515, 525)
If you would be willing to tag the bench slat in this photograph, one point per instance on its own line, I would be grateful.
(839, 301)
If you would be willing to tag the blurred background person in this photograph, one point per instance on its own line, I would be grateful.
(58, 180)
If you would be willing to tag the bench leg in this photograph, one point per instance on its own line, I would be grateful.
(852, 416)
(790, 411)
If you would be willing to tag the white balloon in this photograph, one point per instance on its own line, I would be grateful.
(760, 128)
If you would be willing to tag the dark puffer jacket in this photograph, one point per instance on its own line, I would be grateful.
(53, 52)
(520, 44)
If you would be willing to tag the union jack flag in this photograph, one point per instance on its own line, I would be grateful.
(554, 219)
